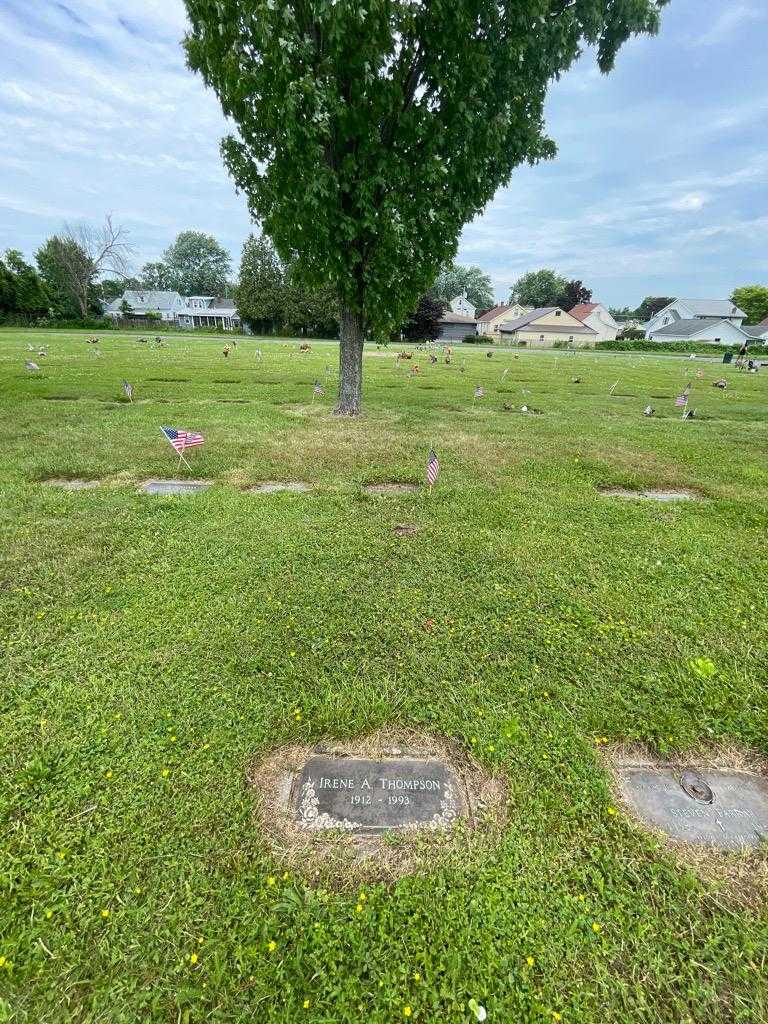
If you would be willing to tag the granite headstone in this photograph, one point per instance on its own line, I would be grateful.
(720, 808)
(364, 796)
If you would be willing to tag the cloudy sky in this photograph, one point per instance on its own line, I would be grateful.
(659, 186)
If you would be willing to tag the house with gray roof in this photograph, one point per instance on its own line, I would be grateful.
(141, 302)
(694, 309)
(194, 311)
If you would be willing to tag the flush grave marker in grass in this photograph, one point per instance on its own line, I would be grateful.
(272, 486)
(370, 797)
(71, 485)
(721, 808)
(175, 487)
(391, 488)
(651, 494)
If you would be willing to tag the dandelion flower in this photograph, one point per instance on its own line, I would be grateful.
(105, 914)
(164, 773)
(611, 810)
(306, 1004)
(407, 1011)
(416, 976)
(271, 880)
(272, 946)
(596, 927)
(193, 958)
(530, 961)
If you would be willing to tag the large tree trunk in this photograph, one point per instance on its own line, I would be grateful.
(350, 364)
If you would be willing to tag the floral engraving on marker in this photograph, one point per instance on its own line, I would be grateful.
(310, 816)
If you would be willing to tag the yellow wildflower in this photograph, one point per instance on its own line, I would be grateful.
(530, 961)
(596, 927)
(306, 1004)
(193, 958)
(272, 946)
(105, 913)
(407, 1011)
(271, 880)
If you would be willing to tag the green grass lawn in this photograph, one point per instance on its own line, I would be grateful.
(153, 647)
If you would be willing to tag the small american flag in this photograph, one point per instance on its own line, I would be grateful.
(128, 390)
(318, 389)
(30, 365)
(180, 440)
(433, 468)
(479, 392)
(682, 400)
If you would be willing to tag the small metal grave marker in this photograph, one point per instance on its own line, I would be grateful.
(724, 809)
(368, 797)
(166, 487)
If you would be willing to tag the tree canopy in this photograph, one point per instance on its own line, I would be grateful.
(753, 299)
(195, 264)
(455, 280)
(424, 322)
(370, 133)
(22, 292)
(651, 305)
(538, 288)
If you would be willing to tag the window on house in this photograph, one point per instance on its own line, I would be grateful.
(558, 312)
(541, 337)
(717, 339)
(570, 337)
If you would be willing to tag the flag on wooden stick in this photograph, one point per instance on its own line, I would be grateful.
(128, 390)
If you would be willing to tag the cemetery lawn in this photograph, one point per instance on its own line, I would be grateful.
(154, 646)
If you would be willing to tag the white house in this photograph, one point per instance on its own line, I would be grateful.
(596, 316)
(463, 306)
(694, 309)
(166, 304)
(195, 311)
(710, 328)
(218, 312)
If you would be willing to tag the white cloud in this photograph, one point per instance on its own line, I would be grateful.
(690, 201)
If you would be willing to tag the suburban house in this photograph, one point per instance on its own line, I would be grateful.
(165, 304)
(696, 309)
(171, 307)
(543, 328)
(711, 329)
(596, 316)
(217, 312)
(456, 326)
(490, 322)
(462, 305)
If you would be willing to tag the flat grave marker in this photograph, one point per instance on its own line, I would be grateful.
(651, 494)
(369, 797)
(71, 484)
(720, 808)
(391, 488)
(273, 486)
(175, 487)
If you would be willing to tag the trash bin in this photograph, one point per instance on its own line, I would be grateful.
(728, 357)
